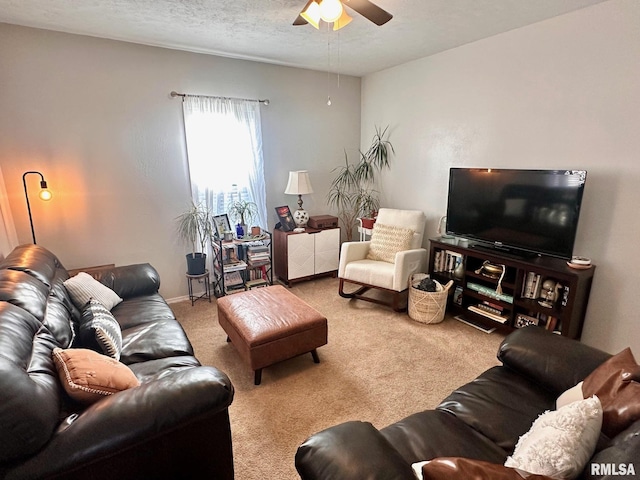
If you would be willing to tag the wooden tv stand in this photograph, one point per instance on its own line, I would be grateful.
(523, 300)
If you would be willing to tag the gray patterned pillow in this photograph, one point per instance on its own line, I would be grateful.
(83, 287)
(99, 330)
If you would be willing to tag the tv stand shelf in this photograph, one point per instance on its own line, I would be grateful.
(537, 290)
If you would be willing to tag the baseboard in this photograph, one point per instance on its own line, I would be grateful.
(177, 299)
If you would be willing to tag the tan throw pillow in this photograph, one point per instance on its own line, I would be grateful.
(88, 376)
(387, 240)
(616, 383)
(83, 287)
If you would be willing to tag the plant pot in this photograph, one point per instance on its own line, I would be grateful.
(368, 222)
(196, 263)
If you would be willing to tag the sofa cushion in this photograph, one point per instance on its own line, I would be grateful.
(500, 403)
(434, 433)
(616, 383)
(560, 442)
(88, 376)
(153, 340)
(387, 240)
(99, 330)
(83, 287)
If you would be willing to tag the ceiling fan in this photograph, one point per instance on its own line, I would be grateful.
(333, 11)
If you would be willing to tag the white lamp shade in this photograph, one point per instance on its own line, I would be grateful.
(299, 183)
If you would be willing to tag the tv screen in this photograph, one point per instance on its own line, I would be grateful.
(532, 211)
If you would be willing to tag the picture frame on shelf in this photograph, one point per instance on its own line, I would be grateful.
(523, 320)
(286, 218)
(221, 224)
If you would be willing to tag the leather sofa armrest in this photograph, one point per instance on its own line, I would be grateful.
(130, 280)
(552, 361)
(351, 451)
(117, 426)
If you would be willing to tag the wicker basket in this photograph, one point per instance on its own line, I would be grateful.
(427, 307)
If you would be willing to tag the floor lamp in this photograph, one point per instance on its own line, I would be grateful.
(44, 194)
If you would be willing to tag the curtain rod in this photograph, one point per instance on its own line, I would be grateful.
(183, 95)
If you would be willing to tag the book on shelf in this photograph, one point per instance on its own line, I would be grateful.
(489, 292)
(229, 290)
(236, 266)
(487, 313)
(232, 279)
(532, 285)
(565, 296)
(446, 261)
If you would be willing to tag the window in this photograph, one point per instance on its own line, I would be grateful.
(224, 149)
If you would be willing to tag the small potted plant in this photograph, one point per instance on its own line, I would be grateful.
(195, 228)
(242, 212)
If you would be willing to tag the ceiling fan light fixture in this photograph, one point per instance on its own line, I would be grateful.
(330, 10)
(312, 14)
(343, 21)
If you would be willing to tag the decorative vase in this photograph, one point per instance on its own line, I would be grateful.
(239, 231)
(458, 273)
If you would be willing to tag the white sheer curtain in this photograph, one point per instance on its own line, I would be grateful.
(8, 236)
(224, 148)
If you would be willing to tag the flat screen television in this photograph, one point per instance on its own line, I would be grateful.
(521, 211)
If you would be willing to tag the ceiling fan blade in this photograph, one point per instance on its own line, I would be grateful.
(369, 10)
(300, 20)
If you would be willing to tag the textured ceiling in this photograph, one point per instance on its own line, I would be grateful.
(262, 30)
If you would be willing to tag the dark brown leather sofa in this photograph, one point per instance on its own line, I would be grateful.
(481, 420)
(174, 425)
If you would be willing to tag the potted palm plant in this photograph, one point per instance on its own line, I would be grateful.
(242, 212)
(351, 192)
(195, 228)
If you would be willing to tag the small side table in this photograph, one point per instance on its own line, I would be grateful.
(207, 286)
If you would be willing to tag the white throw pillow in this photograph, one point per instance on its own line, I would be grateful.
(560, 442)
(83, 287)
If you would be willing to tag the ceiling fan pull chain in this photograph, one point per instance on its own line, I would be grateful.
(328, 66)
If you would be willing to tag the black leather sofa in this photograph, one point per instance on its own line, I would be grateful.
(174, 425)
(481, 420)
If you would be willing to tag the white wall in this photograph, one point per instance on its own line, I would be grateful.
(95, 117)
(562, 93)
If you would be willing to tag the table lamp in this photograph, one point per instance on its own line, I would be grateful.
(299, 184)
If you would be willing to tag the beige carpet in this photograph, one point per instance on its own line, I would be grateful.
(379, 366)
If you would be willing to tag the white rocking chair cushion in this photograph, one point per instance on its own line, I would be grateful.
(387, 240)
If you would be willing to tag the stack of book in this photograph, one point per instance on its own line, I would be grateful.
(258, 255)
(233, 282)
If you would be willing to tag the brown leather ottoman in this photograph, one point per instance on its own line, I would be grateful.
(271, 324)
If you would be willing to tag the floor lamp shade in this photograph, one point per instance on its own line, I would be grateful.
(44, 194)
(299, 184)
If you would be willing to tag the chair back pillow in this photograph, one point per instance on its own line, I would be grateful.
(413, 219)
(387, 240)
